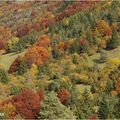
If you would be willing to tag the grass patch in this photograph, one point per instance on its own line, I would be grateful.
(6, 60)
(115, 53)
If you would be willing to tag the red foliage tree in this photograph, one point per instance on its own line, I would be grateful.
(14, 66)
(93, 117)
(2, 45)
(23, 30)
(63, 95)
(36, 26)
(83, 42)
(46, 21)
(27, 104)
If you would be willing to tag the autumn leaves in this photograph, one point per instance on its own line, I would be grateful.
(38, 54)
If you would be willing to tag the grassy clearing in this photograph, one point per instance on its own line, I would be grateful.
(115, 53)
(6, 60)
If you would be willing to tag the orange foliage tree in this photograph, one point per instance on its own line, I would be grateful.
(8, 108)
(37, 55)
(5, 33)
(27, 103)
(43, 41)
(104, 28)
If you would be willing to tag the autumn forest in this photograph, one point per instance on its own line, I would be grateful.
(59, 59)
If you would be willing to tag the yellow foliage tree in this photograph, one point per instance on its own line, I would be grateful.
(9, 110)
(103, 28)
(114, 61)
(12, 43)
(33, 71)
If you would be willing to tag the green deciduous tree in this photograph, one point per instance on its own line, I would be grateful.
(52, 108)
(114, 41)
(107, 107)
(22, 67)
(3, 76)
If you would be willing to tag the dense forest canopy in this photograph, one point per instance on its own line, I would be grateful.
(60, 59)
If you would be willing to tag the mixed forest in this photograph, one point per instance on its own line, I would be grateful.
(60, 59)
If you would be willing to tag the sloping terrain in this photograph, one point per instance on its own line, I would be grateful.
(7, 60)
(60, 59)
